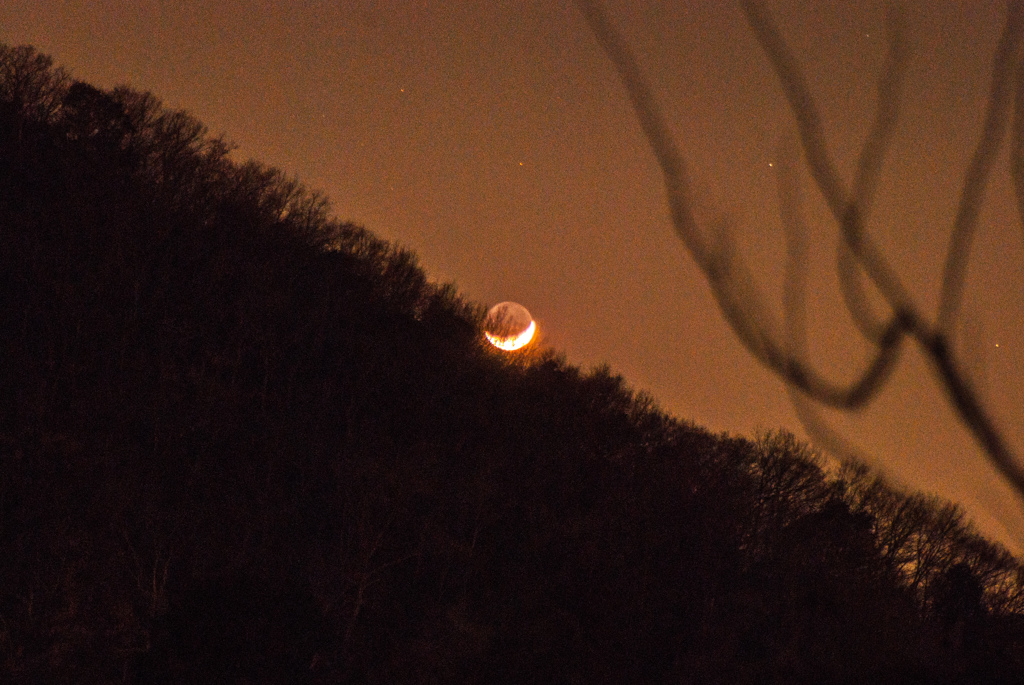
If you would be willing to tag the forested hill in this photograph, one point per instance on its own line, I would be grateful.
(243, 442)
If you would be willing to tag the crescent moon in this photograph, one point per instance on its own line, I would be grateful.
(513, 342)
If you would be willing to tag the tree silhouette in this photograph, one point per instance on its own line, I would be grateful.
(240, 440)
(781, 345)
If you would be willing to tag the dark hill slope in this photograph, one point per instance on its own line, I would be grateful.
(242, 442)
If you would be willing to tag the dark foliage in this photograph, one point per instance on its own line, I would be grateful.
(243, 442)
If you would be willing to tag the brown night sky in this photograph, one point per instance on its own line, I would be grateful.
(495, 140)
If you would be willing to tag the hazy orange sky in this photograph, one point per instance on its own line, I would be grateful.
(495, 140)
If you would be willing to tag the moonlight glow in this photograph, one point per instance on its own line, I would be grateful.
(509, 326)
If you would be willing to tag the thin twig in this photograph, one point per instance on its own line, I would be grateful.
(975, 181)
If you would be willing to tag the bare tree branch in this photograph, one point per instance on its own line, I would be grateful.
(890, 86)
(869, 167)
(973, 191)
(1017, 142)
(735, 289)
(846, 212)
(795, 303)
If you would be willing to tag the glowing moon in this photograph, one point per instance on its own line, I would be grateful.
(509, 326)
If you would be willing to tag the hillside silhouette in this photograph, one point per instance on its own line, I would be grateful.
(241, 441)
